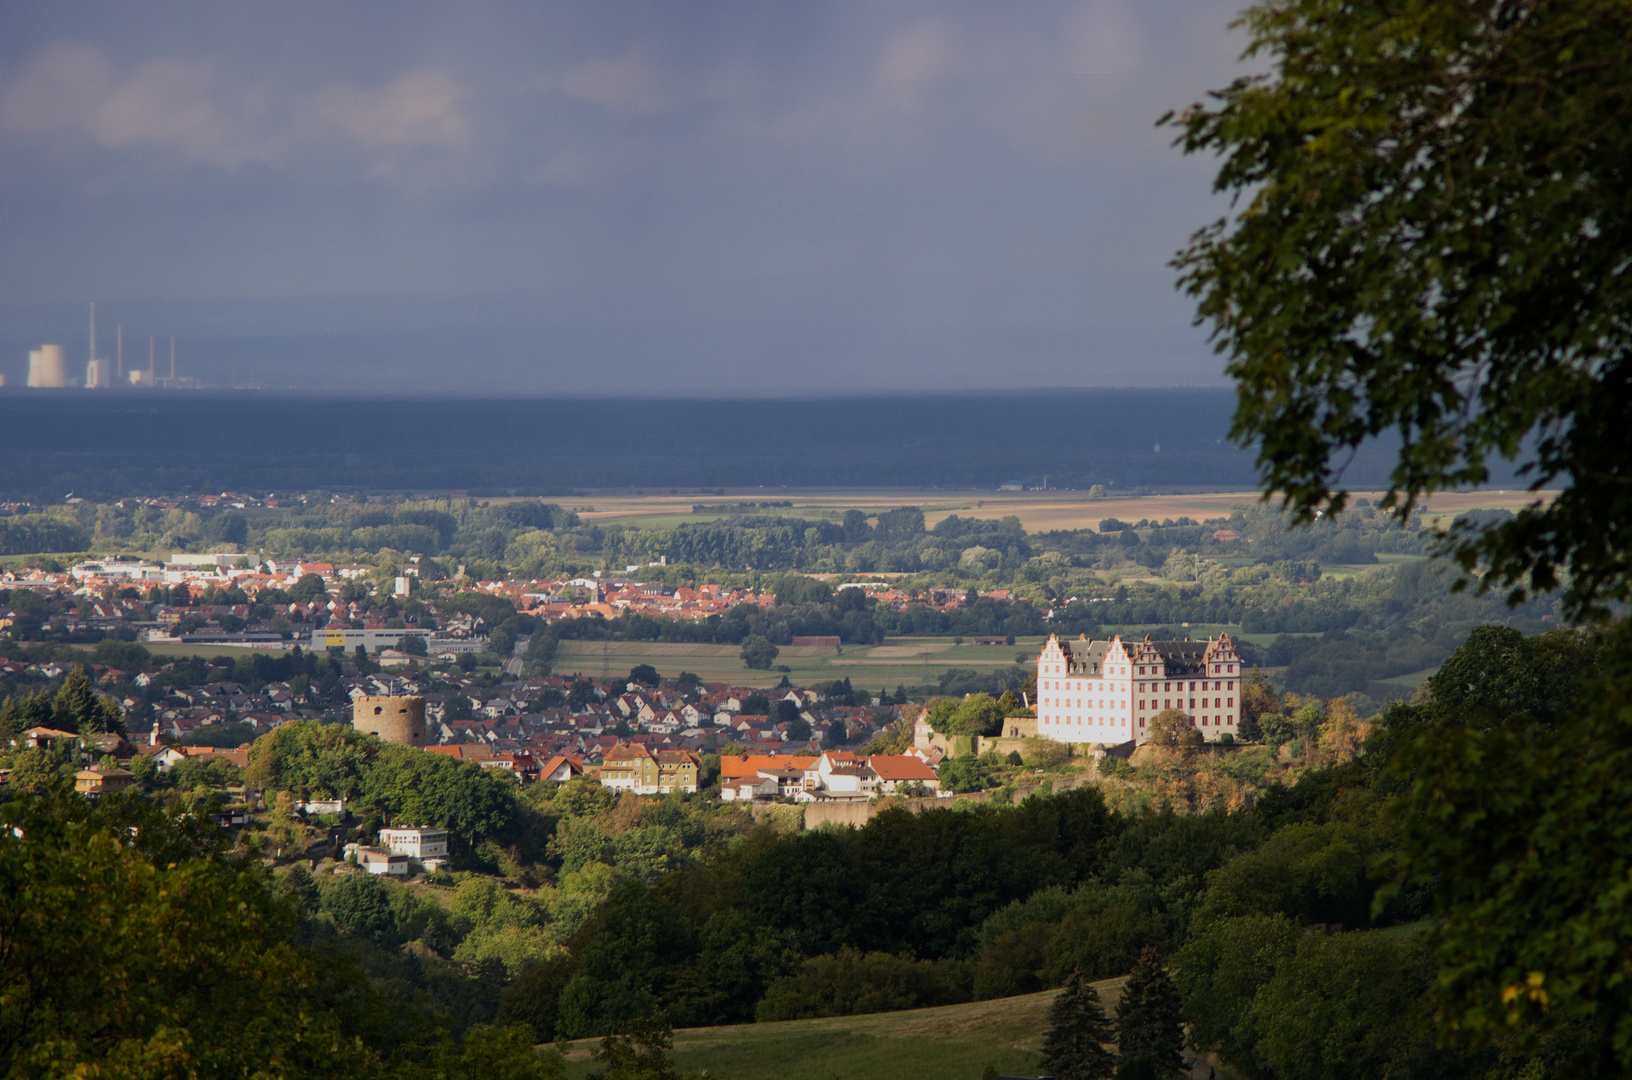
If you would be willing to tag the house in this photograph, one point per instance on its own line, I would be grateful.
(851, 780)
(749, 788)
(38, 737)
(428, 847)
(94, 782)
(633, 767)
(559, 769)
(378, 860)
(897, 771)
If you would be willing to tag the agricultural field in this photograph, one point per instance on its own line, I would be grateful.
(953, 1042)
(898, 660)
(1038, 511)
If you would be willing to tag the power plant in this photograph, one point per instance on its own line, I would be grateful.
(47, 370)
(45, 367)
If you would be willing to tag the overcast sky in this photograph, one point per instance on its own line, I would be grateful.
(570, 197)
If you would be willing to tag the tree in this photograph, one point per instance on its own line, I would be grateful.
(1434, 243)
(1074, 1048)
(80, 885)
(414, 645)
(307, 587)
(758, 652)
(645, 674)
(1149, 1017)
(642, 1053)
(1258, 698)
(1173, 729)
(76, 707)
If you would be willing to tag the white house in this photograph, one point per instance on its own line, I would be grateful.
(748, 788)
(428, 847)
(378, 860)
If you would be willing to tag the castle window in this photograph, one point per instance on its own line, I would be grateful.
(378, 710)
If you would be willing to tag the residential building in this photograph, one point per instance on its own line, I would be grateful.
(633, 767)
(378, 860)
(428, 847)
(93, 782)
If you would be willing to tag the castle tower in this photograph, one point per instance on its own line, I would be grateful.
(399, 720)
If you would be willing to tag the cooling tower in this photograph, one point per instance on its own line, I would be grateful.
(45, 367)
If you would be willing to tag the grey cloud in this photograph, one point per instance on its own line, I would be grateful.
(873, 193)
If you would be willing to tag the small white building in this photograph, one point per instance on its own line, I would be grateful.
(378, 860)
(749, 788)
(428, 847)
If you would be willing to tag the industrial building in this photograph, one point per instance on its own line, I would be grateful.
(46, 369)
(332, 637)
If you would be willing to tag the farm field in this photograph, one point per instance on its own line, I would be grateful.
(898, 660)
(1037, 510)
(953, 1042)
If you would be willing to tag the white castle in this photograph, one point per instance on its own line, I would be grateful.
(1107, 692)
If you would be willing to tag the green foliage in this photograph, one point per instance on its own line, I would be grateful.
(78, 708)
(966, 773)
(360, 907)
(850, 982)
(641, 1052)
(1174, 729)
(316, 760)
(128, 656)
(1149, 1018)
(230, 996)
(1514, 812)
(758, 652)
(1368, 277)
(1078, 1030)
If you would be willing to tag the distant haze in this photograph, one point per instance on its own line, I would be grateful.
(717, 199)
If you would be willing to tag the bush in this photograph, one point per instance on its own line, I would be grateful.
(1044, 753)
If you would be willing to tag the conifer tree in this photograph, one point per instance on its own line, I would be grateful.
(76, 707)
(1150, 1019)
(1074, 1048)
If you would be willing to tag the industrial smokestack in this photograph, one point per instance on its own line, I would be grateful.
(121, 376)
(172, 359)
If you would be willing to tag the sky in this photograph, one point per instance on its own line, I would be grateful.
(607, 197)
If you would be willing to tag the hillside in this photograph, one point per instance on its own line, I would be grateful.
(953, 1042)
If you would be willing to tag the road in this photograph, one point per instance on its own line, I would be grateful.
(518, 657)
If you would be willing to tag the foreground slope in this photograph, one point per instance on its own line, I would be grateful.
(953, 1042)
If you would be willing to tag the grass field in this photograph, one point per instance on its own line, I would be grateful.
(955, 1042)
(1037, 510)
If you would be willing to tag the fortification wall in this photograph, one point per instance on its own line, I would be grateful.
(860, 812)
(399, 720)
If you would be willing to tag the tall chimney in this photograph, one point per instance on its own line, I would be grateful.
(150, 340)
(172, 360)
(93, 331)
(121, 375)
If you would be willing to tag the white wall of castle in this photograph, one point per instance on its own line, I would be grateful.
(1118, 704)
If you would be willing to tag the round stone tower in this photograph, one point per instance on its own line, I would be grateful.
(398, 720)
